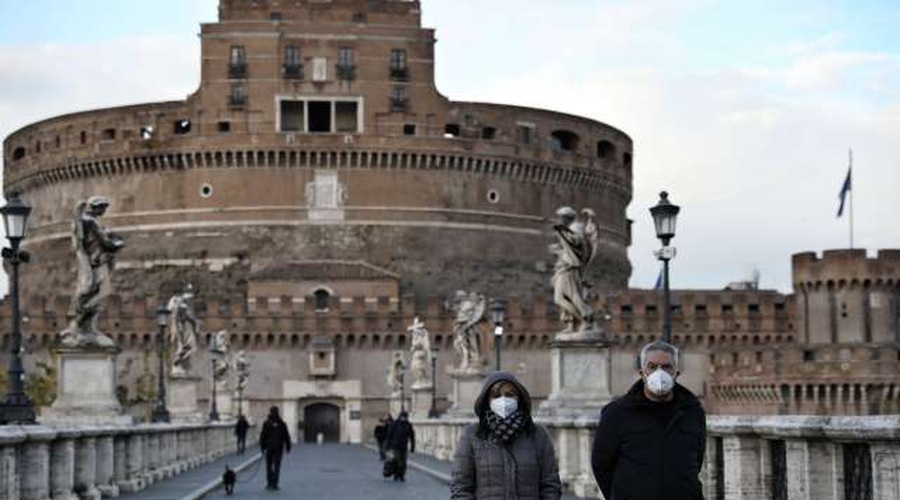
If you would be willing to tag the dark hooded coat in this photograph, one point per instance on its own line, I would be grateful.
(524, 469)
(636, 456)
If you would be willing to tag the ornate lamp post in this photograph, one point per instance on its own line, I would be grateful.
(665, 214)
(403, 388)
(214, 411)
(160, 412)
(432, 412)
(16, 407)
(498, 314)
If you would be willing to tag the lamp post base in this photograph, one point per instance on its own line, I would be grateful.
(160, 415)
(17, 413)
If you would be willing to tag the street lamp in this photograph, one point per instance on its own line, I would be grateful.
(403, 388)
(160, 412)
(665, 216)
(16, 407)
(214, 411)
(498, 314)
(432, 413)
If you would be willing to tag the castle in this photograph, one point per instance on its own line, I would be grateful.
(320, 193)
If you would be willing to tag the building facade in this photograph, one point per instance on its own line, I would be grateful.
(320, 193)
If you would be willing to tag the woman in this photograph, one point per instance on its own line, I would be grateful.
(505, 455)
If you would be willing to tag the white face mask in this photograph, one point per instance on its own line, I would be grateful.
(504, 406)
(660, 382)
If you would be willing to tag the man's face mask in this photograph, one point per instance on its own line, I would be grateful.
(504, 406)
(660, 382)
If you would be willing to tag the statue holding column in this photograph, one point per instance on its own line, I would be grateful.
(575, 248)
(95, 252)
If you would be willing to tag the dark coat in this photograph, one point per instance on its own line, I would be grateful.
(241, 427)
(380, 431)
(274, 435)
(635, 456)
(399, 434)
(524, 469)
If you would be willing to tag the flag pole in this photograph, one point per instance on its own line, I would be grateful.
(851, 198)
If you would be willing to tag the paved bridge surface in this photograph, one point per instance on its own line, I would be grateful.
(329, 472)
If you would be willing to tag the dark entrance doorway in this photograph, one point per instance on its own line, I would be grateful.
(324, 418)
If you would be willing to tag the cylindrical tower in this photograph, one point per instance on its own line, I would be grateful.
(317, 133)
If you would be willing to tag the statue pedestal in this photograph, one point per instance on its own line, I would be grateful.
(466, 387)
(395, 404)
(181, 398)
(580, 376)
(225, 405)
(421, 401)
(86, 389)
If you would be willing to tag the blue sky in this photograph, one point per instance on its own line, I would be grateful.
(744, 111)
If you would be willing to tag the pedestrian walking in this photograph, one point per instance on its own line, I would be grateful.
(506, 454)
(381, 433)
(274, 439)
(650, 443)
(400, 437)
(240, 431)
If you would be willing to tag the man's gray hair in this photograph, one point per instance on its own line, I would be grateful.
(659, 345)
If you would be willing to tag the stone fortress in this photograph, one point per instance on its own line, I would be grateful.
(320, 193)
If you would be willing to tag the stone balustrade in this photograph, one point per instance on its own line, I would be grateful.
(42, 463)
(747, 457)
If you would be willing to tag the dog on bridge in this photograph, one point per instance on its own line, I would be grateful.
(229, 478)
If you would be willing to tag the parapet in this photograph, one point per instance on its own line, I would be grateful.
(845, 267)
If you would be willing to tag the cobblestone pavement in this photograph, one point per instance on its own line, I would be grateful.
(334, 472)
(330, 472)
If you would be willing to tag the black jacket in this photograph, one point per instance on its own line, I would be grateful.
(241, 427)
(636, 456)
(274, 436)
(399, 434)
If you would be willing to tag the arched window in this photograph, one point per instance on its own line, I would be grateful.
(606, 150)
(18, 153)
(564, 140)
(321, 299)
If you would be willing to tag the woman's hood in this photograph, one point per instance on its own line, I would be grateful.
(482, 403)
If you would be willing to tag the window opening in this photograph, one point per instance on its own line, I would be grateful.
(292, 116)
(275, 16)
(605, 150)
(182, 126)
(237, 62)
(398, 65)
(488, 133)
(451, 130)
(321, 300)
(108, 134)
(346, 67)
(238, 96)
(224, 127)
(563, 140)
(345, 116)
(18, 153)
(524, 134)
(319, 116)
(409, 129)
(293, 67)
(398, 99)
(147, 132)
(83, 137)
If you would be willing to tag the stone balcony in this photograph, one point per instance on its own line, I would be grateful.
(747, 457)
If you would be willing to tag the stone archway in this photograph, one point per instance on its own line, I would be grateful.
(324, 418)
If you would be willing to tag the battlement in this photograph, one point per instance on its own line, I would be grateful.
(319, 11)
(840, 268)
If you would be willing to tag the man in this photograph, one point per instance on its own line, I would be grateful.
(240, 431)
(399, 435)
(650, 443)
(273, 440)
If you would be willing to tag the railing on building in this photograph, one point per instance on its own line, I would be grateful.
(747, 457)
(37, 463)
